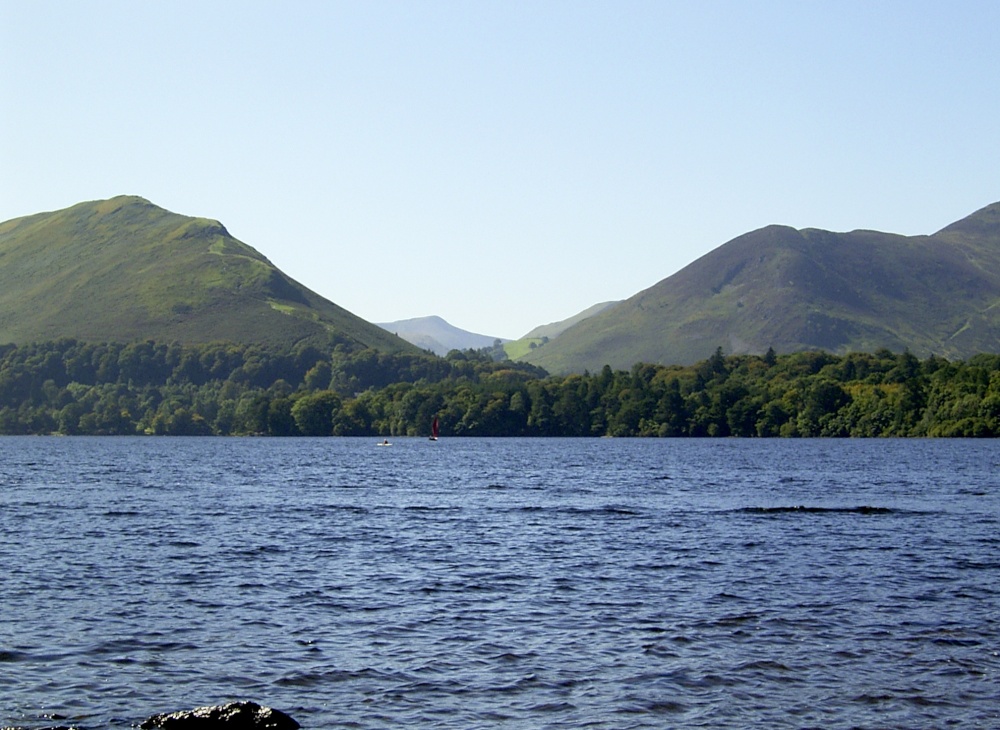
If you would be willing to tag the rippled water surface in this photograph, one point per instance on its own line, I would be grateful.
(480, 583)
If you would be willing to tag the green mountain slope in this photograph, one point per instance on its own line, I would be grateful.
(811, 289)
(125, 270)
(518, 348)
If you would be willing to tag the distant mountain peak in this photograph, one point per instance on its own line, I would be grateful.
(435, 334)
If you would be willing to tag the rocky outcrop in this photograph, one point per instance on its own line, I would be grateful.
(233, 716)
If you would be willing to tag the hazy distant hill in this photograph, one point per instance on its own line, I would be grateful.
(125, 270)
(811, 289)
(436, 335)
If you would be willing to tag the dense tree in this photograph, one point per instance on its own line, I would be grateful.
(313, 413)
(166, 388)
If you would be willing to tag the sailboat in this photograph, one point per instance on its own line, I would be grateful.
(434, 429)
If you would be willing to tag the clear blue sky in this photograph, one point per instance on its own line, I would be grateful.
(502, 164)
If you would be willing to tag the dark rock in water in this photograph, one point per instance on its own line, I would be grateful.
(234, 716)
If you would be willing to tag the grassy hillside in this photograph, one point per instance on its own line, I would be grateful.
(517, 349)
(124, 270)
(800, 290)
(554, 329)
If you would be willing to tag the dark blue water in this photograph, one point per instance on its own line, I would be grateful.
(485, 583)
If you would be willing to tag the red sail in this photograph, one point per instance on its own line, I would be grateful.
(434, 428)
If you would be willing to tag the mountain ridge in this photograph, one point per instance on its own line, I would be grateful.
(806, 289)
(125, 269)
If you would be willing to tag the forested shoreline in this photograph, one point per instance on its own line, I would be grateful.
(69, 387)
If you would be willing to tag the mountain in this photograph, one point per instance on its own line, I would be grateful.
(517, 349)
(806, 289)
(554, 329)
(436, 335)
(125, 270)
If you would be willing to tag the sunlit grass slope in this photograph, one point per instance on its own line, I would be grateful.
(124, 269)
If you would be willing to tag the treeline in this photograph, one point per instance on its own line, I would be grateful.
(69, 387)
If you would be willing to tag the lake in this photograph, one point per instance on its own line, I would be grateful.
(502, 583)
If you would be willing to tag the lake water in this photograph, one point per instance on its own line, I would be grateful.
(502, 583)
